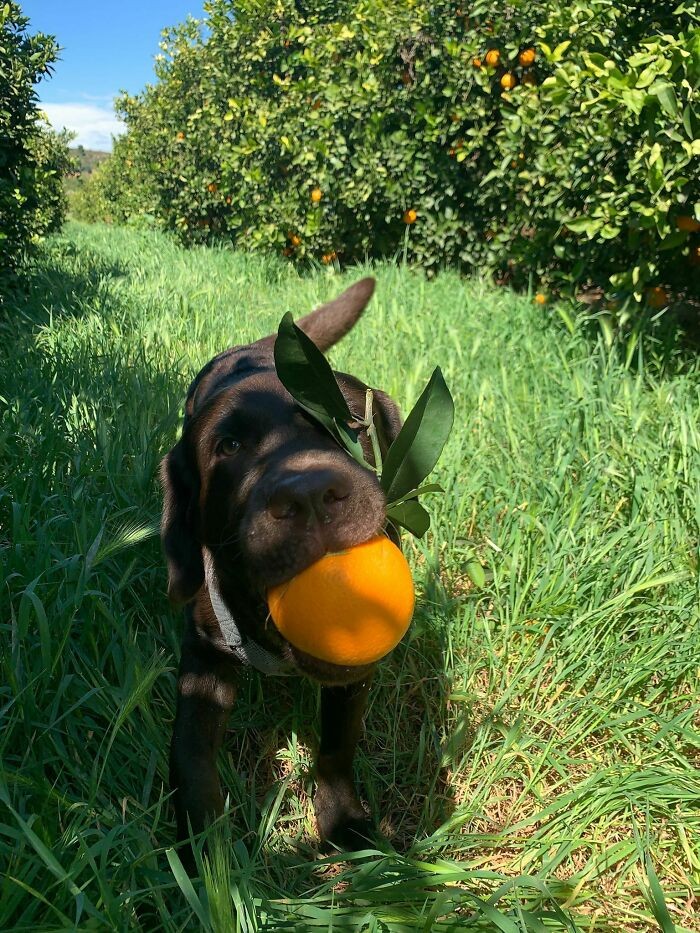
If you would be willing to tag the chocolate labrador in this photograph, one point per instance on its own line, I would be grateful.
(256, 491)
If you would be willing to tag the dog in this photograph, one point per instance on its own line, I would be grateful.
(255, 491)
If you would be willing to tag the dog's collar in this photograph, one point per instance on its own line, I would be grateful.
(245, 649)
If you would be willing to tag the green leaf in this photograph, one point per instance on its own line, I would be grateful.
(349, 438)
(410, 515)
(691, 123)
(419, 444)
(667, 97)
(657, 901)
(187, 888)
(476, 574)
(589, 225)
(306, 374)
(421, 491)
(558, 52)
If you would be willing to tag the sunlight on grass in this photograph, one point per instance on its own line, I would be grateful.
(532, 745)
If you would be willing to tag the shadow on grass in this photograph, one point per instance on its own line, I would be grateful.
(60, 281)
(665, 343)
(273, 738)
(83, 423)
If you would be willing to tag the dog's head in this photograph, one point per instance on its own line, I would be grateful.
(260, 483)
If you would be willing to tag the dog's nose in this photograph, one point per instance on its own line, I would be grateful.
(318, 495)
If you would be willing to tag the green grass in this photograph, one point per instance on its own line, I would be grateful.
(532, 745)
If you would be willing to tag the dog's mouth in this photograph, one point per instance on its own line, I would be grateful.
(272, 555)
(286, 559)
(326, 673)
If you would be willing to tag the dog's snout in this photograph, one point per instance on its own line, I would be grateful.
(308, 497)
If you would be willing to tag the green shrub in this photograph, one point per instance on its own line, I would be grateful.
(404, 126)
(33, 158)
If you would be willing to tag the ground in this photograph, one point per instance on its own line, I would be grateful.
(532, 745)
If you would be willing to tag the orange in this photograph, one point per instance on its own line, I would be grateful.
(316, 195)
(508, 81)
(294, 238)
(409, 216)
(540, 298)
(349, 608)
(493, 57)
(212, 188)
(180, 135)
(527, 57)
(657, 297)
(476, 62)
(687, 224)
(228, 198)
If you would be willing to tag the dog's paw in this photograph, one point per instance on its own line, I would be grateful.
(351, 835)
(342, 820)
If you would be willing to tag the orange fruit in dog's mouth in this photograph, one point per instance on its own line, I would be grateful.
(349, 608)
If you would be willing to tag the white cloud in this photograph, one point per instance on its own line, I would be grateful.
(94, 125)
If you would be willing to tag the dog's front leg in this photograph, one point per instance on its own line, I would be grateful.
(340, 815)
(206, 692)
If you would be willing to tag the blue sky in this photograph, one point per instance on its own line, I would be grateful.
(108, 46)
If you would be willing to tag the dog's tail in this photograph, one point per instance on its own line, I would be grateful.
(330, 322)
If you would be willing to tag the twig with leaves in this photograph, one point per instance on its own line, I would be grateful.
(306, 374)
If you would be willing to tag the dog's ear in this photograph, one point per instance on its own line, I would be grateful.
(387, 418)
(328, 323)
(177, 528)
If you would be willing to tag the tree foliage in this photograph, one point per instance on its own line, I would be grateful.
(33, 159)
(531, 137)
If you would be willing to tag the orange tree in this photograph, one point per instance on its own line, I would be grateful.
(531, 138)
(33, 159)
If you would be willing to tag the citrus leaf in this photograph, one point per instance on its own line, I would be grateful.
(349, 438)
(421, 491)
(419, 444)
(666, 97)
(410, 515)
(306, 374)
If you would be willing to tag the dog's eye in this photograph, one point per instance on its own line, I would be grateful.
(227, 446)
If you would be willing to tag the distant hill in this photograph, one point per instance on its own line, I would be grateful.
(87, 161)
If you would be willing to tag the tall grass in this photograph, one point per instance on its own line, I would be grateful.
(532, 745)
